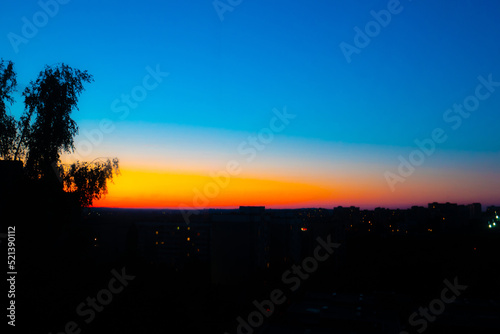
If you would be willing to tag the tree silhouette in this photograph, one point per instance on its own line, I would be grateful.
(88, 181)
(7, 123)
(46, 130)
(50, 99)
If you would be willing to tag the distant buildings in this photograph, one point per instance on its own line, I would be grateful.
(286, 236)
(235, 245)
(475, 210)
(174, 243)
(491, 210)
(493, 218)
(240, 245)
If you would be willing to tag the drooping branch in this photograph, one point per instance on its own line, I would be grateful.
(88, 180)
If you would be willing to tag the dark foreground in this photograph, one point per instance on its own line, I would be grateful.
(434, 282)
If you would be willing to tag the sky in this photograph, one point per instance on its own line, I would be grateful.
(286, 103)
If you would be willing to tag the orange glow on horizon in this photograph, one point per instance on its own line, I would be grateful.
(150, 189)
(140, 188)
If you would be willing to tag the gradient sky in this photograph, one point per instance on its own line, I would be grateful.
(228, 78)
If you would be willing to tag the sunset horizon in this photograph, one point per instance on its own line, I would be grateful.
(250, 167)
(330, 111)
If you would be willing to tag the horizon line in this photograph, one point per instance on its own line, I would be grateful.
(287, 208)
